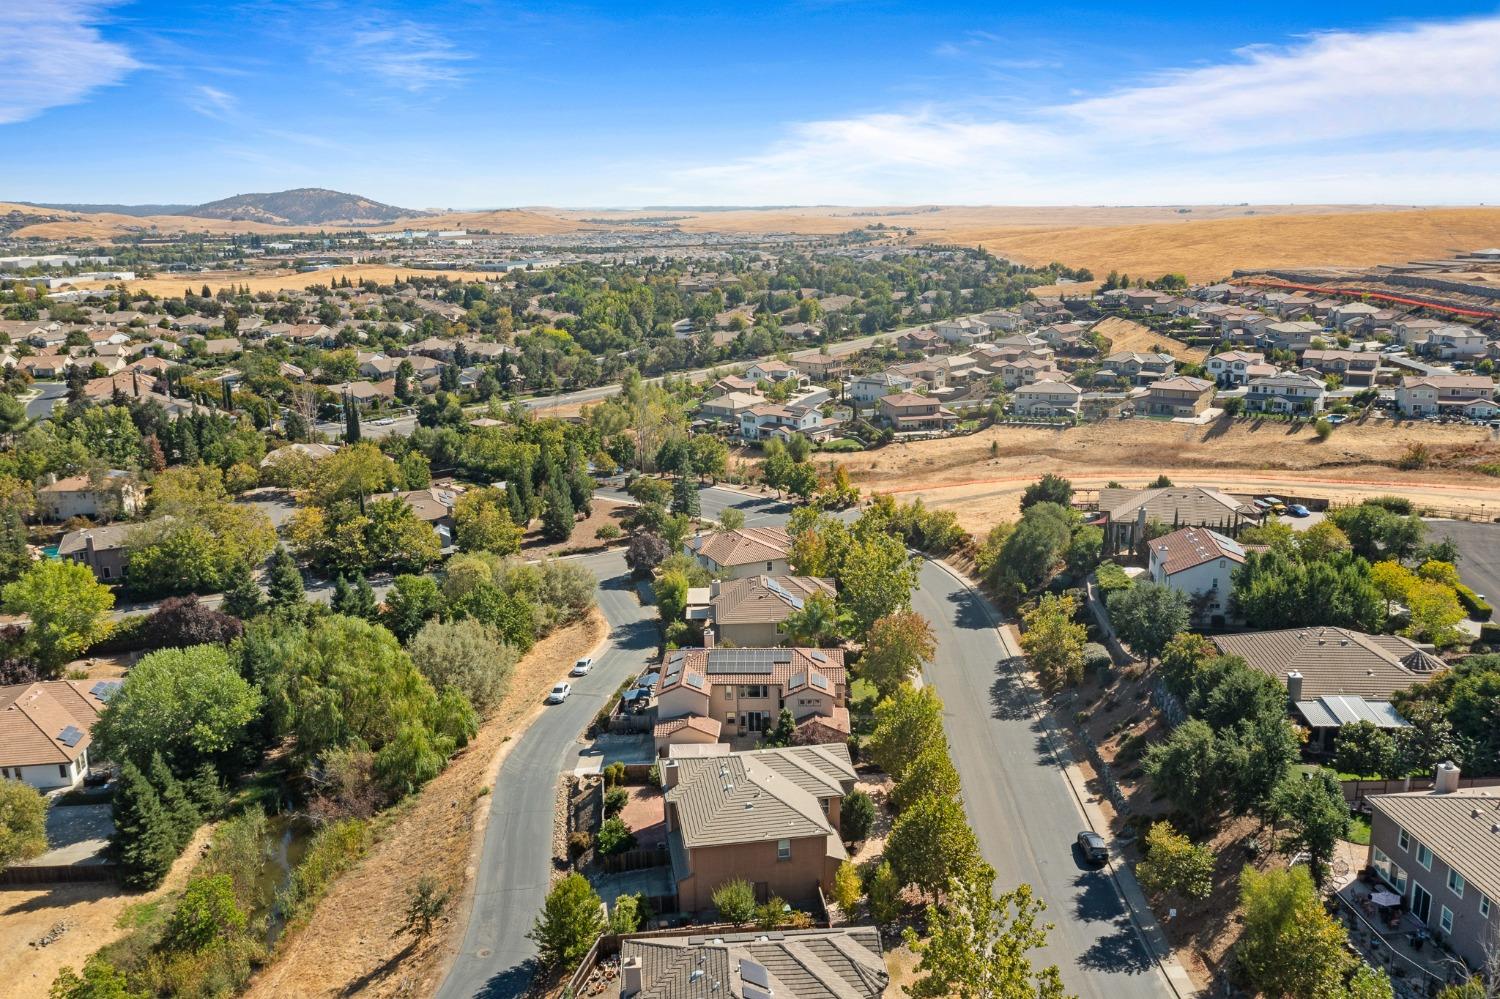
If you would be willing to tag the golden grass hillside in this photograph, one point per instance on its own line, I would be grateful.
(289, 280)
(1126, 334)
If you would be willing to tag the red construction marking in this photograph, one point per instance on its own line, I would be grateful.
(1378, 296)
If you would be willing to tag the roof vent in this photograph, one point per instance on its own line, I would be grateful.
(697, 974)
(1343, 641)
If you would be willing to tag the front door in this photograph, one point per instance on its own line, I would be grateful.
(1421, 903)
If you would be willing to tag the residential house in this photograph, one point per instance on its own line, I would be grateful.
(46, 730)
(1237, 367)
(1292, 335)
(1335, 676)
(1002, 320)
(433, 505)
(102, 549)
(1047, 397)
(906, 412)
(766, 420)
(843, 963)
(751, 611)
(1454, 343)
(115, 493)
(314, 452)
(746, 689)
(963, 331)
(1026, 370)
(1127, 512)
(775, 372)
(867, 389)
(1286, 392)
(1410, 331)
(827, 367)
(1199, 564)
(1140, 369)
(1348, 316)
(729, 407)
(924, 341)
(1065, 336)
(744, 551)
(931, 372)
(769, 817)
(1440, 851)
(1355, 368)
(1427, 395)
(1179, 396)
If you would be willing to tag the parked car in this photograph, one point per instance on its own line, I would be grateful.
(582, 666)
(1262, 505)
(560, 693)
(1092, 846)
(1336, 418)
(385, 421)
(1298, 510)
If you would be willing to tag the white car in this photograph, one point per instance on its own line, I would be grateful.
(384, 422)
(560, 693)
(582, 667)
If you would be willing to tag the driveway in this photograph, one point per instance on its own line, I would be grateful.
(1479, 546)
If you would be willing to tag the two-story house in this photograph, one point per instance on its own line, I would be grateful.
(1427, 395)
(769, 419)
(843, 963)
(1137, 368)
(1286, 392)
(1047, 398)
(963, 332)
(1356, 368)
(769, 817)
(867, 389)
(1179, 395)
(1440, 851)
(1198, 563)
(1237, 367)
(1454, 343)
(906, 412)
(115, 493)
(751, 612)
(742, 552)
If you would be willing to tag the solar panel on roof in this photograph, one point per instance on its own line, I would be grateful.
(105, 689)
(70, 736)
(820, 657)
(694, 680)
(819, 680)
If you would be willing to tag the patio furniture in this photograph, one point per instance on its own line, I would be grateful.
(1385, 899)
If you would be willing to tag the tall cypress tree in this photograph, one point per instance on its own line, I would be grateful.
(243, 598)
(143, 841)
(285, 589)
(181, 811)
(351, 420)
(557, 518)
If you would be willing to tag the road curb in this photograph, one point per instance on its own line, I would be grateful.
(1141, 916)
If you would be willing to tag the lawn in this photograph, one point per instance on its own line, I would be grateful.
(1359, 831)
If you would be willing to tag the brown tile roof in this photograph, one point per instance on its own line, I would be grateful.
(1194, 505)
(843, 963)
(752, 797)
(1193, 546)
(34, 717)
(1334, 660)
(765, 599)
(709, 726)
(743, 666)
(1461, 827)
(744, 545)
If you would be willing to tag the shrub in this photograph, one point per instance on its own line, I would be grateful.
(579, 843)
(1478, 608)
(614, 801)
(856, 816)
(615, 836)
(1111, 578)
(332, 850)
(735, 901)
(614, 775)
(608, 532)
(568, 923)
(846, 887)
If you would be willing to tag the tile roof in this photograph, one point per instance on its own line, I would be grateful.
(1334, 660)
(765, 599)
(1193, 546)
(738, 666)
(743, 545)
(1174, 505)
(708, 726)
(749, 798)
(842, 963)
(1461, 827)
(34, 716)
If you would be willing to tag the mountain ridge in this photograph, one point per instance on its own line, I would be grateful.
(300, 206)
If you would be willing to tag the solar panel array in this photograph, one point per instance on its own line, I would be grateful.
(782, 592)
(70, 736)
(818, 680)
(105, 689)
(746, 660)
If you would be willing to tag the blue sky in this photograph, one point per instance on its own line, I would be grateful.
(487, 104)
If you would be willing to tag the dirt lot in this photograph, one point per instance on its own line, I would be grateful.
(347, 947)
(1126, 334)
(602, 512)
(91, 913)
(983, 485)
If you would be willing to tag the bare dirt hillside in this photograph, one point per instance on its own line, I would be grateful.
(981, 477)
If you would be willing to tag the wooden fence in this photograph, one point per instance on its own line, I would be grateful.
(14, 876)
(635, 860)
(1356, 791)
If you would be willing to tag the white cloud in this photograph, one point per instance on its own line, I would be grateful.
(51, 54)
(211, 102)
(1408, 114)
(403, 54)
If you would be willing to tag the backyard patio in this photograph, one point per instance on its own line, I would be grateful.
(1393, 939)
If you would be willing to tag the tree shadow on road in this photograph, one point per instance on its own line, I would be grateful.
(1121, 951)
(510, 983)
(1096, 899)
(968, 612)
(1008, 696)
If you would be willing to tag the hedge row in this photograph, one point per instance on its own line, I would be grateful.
(1476, 605)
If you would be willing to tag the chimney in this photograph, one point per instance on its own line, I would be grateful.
(1294, 686)
(708, 637)
(1446, 780)
(630, 977)
(669, 773)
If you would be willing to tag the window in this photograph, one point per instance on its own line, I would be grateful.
(728, 693)
(1424, 857)
(1484, 907)
(729, 719)
(783, 849)
(768, 566)
(1403, 840)
(1446, 920)
(1455, 882)
(62, 772)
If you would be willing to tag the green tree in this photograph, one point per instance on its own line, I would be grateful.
(896, 647)
(1147, 615)
(569, 921)
(671, 591)
(816, 623)
(426, 901)
(856, 816)
(144, 840)
(1365, 750)
(66, 607)
(1290, 946)
(411, 602)
(785, 731)
(1031, 552)
(876, 578)
(906, 723)
(1173, 865)
(685, 498)
(468, 655)
(931, 844)
(977, 944)
(735, 902)
(1053, 640)
(846, 887)
(557, 516)
(482, 523)
(23, 822)
(100, 980)
(189, 705)
(244, 598)
(627, 914)
(930, 772)
(1313, 806)
(1048, 489)
(731, 518)
(1186, 769)
(884, 891)
(284, 581)
(206, 914)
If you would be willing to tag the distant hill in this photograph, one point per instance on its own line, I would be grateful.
(139, 211)
(302, 206)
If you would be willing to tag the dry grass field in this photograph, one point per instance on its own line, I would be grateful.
(1125, 334)
(289, 280)
(981, 477)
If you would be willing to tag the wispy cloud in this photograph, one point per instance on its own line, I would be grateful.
(402, 54)
(211, 102)
(52, 54)
(1410, 113)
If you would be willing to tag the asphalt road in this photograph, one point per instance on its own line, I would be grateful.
(516, 860)
(1479, 546)
(52, 394)
(1018, 800)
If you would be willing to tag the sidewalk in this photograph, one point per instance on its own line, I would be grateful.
(1130, 890)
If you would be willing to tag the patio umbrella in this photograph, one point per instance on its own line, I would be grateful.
(1385, 898)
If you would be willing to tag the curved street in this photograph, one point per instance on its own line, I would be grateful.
(1018, 799)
